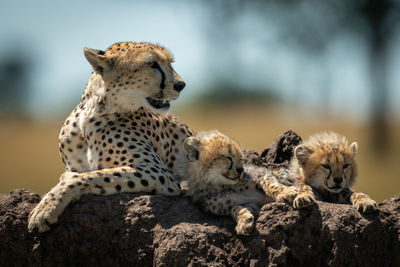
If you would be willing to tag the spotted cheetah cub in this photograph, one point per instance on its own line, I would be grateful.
(222, 185)
(326, 164)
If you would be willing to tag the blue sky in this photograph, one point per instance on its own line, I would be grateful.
(55, 32)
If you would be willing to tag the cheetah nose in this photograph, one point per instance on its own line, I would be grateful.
(239, 170)
(338, 180)
(179, 86)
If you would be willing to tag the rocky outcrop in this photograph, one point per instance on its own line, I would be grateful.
(154, 230)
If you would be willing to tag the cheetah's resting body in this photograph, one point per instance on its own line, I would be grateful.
(222, 185)
(117, 139)
(326, 168)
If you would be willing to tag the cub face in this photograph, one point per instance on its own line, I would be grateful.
(214, 158)
(328, 162)
(136, 75)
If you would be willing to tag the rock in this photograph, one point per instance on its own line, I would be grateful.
(154, 230)
(276, 155)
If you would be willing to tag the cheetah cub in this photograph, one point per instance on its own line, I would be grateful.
(326, 164)
(222, 185)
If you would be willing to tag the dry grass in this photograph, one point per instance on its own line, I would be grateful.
(29, 156)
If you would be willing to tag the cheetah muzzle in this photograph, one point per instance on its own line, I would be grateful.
(158, 104)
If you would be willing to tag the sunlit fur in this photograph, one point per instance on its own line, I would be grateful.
(222, 185)
(123, 77)
(114, 141)
(213, 164)
(333, 151)
(326, 162)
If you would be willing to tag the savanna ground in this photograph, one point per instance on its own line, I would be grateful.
(29, 150)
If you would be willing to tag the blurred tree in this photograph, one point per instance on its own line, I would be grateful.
(229, 85)
(221, 31)
(14, 83)
(381, 26)
(220, 95)
(312, 25)
(373, 21)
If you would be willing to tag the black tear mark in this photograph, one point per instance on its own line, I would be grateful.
(157, 66)
(99, 69)
(329, 174)
(112, 62)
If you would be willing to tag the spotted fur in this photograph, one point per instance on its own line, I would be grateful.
(118, 138)
(222, 185)
(326, 164)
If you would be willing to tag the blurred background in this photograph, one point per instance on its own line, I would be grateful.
(253, 69)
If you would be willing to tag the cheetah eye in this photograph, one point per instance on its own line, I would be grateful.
(345, 166)
(154, 65)
(151, 64)
(326, 166)
(230, 162)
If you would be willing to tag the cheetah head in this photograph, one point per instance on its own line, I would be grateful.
(328, 162)
(133, 75)
(214, 158)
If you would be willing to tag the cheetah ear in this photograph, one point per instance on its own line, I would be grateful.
(302, 153)
(98, 60)
(191, 146)
(354, 148)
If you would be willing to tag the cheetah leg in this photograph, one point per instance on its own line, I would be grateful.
(243, 215)
(226, 205)
(305, 196)
(280, 192)
(73, 147)
(105, 181)
(362, 202)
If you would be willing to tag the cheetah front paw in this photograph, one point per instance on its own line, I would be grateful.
(303, 200)
(287, 195)
(365, 205)
(245, 224)
(41, 216)
(49, 208)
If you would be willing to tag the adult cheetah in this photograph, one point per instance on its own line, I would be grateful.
(118, 138)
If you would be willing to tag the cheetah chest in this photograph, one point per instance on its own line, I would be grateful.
(131, 140)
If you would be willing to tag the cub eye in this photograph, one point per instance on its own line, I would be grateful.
(345, 166)
(326, 166)
(230, 162)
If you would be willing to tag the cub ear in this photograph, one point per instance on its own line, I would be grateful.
(98, 60)
(302, 153)
(354, 148)
(191, 146)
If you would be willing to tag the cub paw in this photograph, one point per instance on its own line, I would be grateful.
(303, 200)
(287, 195)
(245, 224)
(365, 205)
